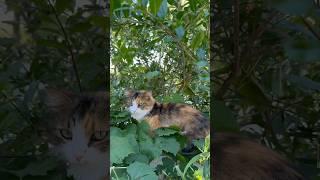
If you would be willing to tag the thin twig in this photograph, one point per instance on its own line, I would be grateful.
(236, 26)
(68, 44)
(310, 28)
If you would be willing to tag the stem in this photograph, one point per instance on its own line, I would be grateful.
(310, 28)
(236, 25)
(68, 44)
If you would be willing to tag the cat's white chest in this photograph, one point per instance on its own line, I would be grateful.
(137, 113)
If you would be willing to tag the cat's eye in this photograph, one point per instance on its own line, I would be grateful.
(99, 136)
(66, 134)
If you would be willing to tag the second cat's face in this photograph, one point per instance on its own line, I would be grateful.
(78, 128)
(139, 103)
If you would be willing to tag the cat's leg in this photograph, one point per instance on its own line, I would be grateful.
(189, 148)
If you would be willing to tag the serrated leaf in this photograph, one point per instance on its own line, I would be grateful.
(122, 143)
(141, 171)
(165, 131)
(147, 145)
(137, 157)
(168, 144)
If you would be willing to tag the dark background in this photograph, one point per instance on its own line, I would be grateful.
(60, 44)
(265, 75)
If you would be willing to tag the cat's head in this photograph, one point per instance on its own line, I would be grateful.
(77, 126)
(139, 103)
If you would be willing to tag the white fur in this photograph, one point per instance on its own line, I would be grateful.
(137, 113)
(93, 163)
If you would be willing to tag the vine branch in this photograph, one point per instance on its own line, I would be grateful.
(68, 44)
(310, 28)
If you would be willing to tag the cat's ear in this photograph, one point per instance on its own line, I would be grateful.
(57, 100)
(129, 92)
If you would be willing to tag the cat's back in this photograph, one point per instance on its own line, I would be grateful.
(238, 158)
(174, 109)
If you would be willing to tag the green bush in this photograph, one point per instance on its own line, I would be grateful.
(161, 46)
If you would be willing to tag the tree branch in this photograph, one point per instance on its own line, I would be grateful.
(310, 28)
(236, 26)
(68, 44)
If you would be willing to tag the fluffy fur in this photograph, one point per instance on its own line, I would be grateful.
(238, 158)
(78, 132)
(143, 106)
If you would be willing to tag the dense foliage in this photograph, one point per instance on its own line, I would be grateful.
(161, 46)
(265, 75)
(46, 37)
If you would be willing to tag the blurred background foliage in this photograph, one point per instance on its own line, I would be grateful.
(265, 75)
(163, 46)
(39, 40)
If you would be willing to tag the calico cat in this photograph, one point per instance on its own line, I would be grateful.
(78, 132)
(237, 158)
(143, 106)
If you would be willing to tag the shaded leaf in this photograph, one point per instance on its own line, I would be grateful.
(141, 171)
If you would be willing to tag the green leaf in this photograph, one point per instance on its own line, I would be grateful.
(168, 144)
(166, 131)
(163, 9)
(122, 143)
(152, 74)
(141, 171)
(146, 143)
(80, 27)
(180, 32)
(176, 98)
(304, 83)
(115, 4)
(193, 160)
(143, 2)
(302, 49)
(137, 157)
(51, 43)
(197, 40)
(155, 6)
(224, 119)
(253, 92)
(193, 4)
(37, 168)
(295, 7)
(62, 5)
(100, 21)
